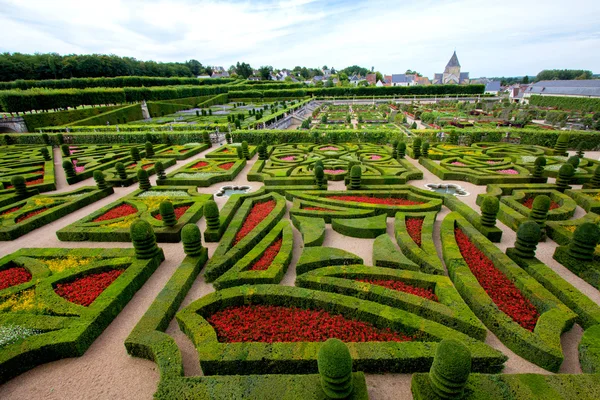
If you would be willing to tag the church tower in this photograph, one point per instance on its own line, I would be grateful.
(452, 71)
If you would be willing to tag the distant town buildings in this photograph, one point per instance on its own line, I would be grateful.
(451, 74)
(571, 88)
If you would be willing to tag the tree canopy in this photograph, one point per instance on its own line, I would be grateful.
(563, 74)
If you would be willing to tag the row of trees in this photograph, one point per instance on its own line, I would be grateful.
(563, 74)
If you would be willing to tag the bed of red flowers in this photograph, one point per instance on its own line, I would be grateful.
(264, 262)
(179, 211)
(84, 291)
(11, 210)
(14, 276)
(226, 166)
(264, 323)
(258, 212)
(388, 201)
(120, 211)
(501, 290)
(529, 203)
(31, 214)
(414, 226)
(403, 287)
(311, 208)
(27, 183)
(200, 164)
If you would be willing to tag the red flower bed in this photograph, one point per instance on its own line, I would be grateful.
(501, 290)
(11, 210)
(120, 211)
(30, 214)
(268, 256)
(317, 209)
(529, 203)
(84, 291)
(34, 182)
(262, 323)
(13, 276)
(226, 166)
(200, 164)
(388, 201)
(414, 227)
(258, 212)
(179, 211)
(403, 287)
(147, 166)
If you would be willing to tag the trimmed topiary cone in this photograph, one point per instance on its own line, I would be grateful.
(100, 182)
(149, 138)
(69, 169)
(167, 212)
(565, 173)
(262, 152)
(580, 152)
(574, 161)
(450, 369)
(319, 162)
(143, 179)
(135, 154)
(595, 181)
(416, 148)
(335, 369)
(20, 186)
(355, 177)
(319, 176)
(401, 150)
(425, 150)
(46, 138)
(560, 147)
(120, 168)
(60, 138)
(45, 153)
(211, 213)
(539, 212)
(66, 152)
(540, 163)
(206, 137)
(144, 240)
(489, 210)
(394, 146)
(192, 240)
(240, 153)
(528, 236)
(245, 150)
(160, 171)
(585, 239)
(149, 149)
(316, 137)
(228, 137)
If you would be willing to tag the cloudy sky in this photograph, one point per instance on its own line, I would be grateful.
(492, 38)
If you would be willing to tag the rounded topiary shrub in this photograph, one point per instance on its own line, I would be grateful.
(144, 240)
(65, 150)
(565, 174)
(45, 153)
(167, 212)
(135, 154)
(192, 240)
(319, 176)
(394, 146)
(60, 138)
(489, 210)
(528, 236)
(46, 138)
(355, 177)
(240, 152)
(401, 152)
(211, 212)
(262, 152)
(160, 171)
(574, 161)
(143, 179)
(120, 168)
(100, 182)
(425, 149)
(335, 369)
(206, 137)
(539, 212)
(245, 150)
(595, 182)
(540, 164)
(580, 148)
(450, 369)
(69, 169)
(149, 149)
(417, 147)
(19, 184)
(560, 148)
(585, 239)
(228, 137)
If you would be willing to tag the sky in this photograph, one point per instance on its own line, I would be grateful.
(491, 38)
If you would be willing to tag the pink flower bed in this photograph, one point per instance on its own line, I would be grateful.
(375, 157)
(459, 164)
(509, 171)
(288, 158)
(334, 171)
(329, 148)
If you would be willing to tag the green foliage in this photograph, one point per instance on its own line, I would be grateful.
(60, 138)
(160, 171)
(401, 151)
(144, 240)
(100, 182)
(565, 174)
(65, 150)
(560, 148)
(228, 137)
(355, 177)
(416, 145)
(120, 168)
(245, 151)
(539, 212)
(46, 154)
(149, 149)
(450, 369)
(211, 212)
(240, 153)
(528, 236)
(167, 212)
(18, 183)
(262, 152)
(425, 149)
(335, 368)
(595, 181)
(540, 163)
(585, 239)
(589, 350)
(489, 210)
(69, 168)
(580, 150)
(574, 161)
(192, 240)
(143, 179)
(566, 103)
(35, 121)
(135, 154)
(320, 176)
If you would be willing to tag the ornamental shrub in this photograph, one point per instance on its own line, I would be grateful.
(335, 369)
(45, 153)
(143, 179)
(450, 369)
(585, 239)
(333, 137)
(319, 176)
(46, 138)
(540, 163)
(135, 154)
(149, 149)
(120, 168)
(228, 137)
(416, 148)
(144, 240)
(60, 138)
(315, 137)
(262, 152)
(18, 183)
(560, 148)
(69, 169)
(65, 150)
(355, 177)
(100, 182)
(528, 236)
(539, 212)
(489, 210)
(160, 171)
(565, 173)
(149, 138)
(401, 150)
(319, 162)
(394, 146)
(574, 161)
(580, 152)
(206, 137)
(192, 240)
(425, 149)
(167, 212)
(245, 150)
(595, 181)
(211, 212)
(240, 152)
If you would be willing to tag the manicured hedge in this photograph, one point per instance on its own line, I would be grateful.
(493, 234)
(589, 350)
(586, 199)
(312, 229)
(113, 178)
(211, 173)
(319, 257)
(364, 228)
(114, 117)
(566, 103)
(467, 174)
(59, 118)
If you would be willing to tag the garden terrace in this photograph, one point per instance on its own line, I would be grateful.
(28, 162)
(205, 172)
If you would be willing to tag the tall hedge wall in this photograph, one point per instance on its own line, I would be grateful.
(566, 103)
(119, 116)
(40, 120)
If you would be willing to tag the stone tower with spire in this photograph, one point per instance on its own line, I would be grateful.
(452, 74)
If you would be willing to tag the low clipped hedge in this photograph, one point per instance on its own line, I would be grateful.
(312, 229)
(211, 177)
(467, 176)
(318, 257)
(589, 271)
(586, 199)
(424, 256)
(113, 178)
(364, 228)
(493, 234)
(589, 350)
(59, 118)
(298, 209)
(114, 117)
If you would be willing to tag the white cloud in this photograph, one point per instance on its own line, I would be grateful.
(511, 37)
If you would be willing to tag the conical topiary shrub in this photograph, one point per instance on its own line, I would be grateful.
(574, 161)
(416, 148)
(100, 182)
(60, 138)
(585, 239)
(528, 236)
(149, 149)
(539, 212)
(135, 154)
(69, 169)
(355, 177)
(167, 212)
(149, 138)
(394, 146)
(245, 150)
(211, 213)
(425, 150)
(143, 179)
(450, 369)
(595, 181)
(66, 152)
(160, 172)
(580, 152)
(316, 137)
(319, 176)
(540, 164)
(228, 137)
(46, 138)
(565, 173)
(192, 240)
(206, 137)
(335, 369)
(45, 153)
(120, 168)
(240, 153)
(19, 184)
(262, 152)
(489, 210)
(401, 150)
(144, 240)
(560, 147)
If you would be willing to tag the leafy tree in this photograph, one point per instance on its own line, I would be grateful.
(525, 79)
(378, 76)
(411, 72)
(244, 70)
(265, 72)
(563, 74)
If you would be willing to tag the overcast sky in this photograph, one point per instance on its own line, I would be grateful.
(491, 37)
